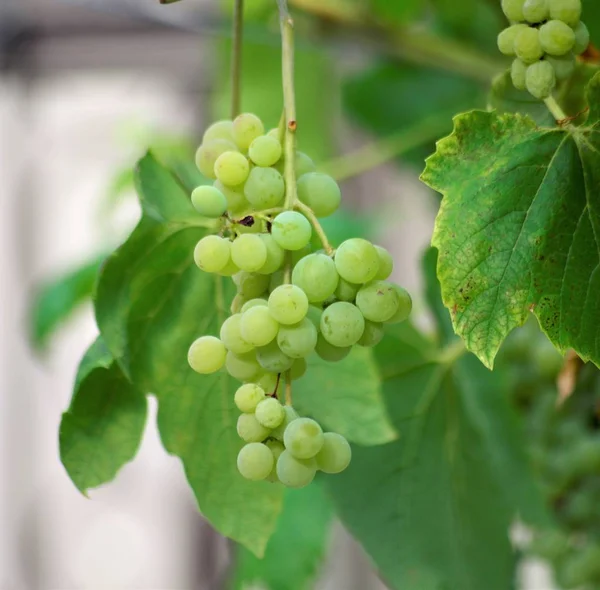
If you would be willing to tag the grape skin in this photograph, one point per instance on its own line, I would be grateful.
(404, 306)
(372, 335)
(209, 201)
(528, 46)
(298, 340)
(264, 188)
(265, 150)
(212, 253)
(270, 413)
(291, 230)
(231, 335)
(317, 276)
(293, 472)
(237, 204)
(582, 39)
(249, 429)
(298, 369)
(329, 352)
(251, 284)
(243, 367)
(231, 168)
(303, 438)
(249, 252)
(257, 326)
(346, 291)
(277, 449)
(288, 304)
(253, 303)
(246, 128)
(272, 359)
(275, 255)
(320, 192)
(506, 39)
(335, 455)
(378, 301)
(386, 263)
(207, 154)
(563, 66)
(356, 260)
(248, 396)
(535, 11)
(290, 416)
(540, 79)
(567, 11)
(513, 9)
(518, 72)
(255, 461)
(268, 382)
(556, 38)
(207, 355)
(219, 130)
(342, 324)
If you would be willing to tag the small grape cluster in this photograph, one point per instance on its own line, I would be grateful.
(545, 36)
(292, 299)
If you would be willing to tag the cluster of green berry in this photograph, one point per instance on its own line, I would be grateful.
(292, 299)
(545, 36)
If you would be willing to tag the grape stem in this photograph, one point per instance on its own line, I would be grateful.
(555, 109)
(236, 58)
(308, 213)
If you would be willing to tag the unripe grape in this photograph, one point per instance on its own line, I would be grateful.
(237, 204)
(275, 255)
(378, 301)
(208, 153)
(209, 201)
(298, 340)
(276, 280)
(288, 304)
(249, 429)
(272, 359)
(253, 303)
(290, 415)
(248, 396)
(513, 9)
(518, 72)
(506, 39)
(277, 449)
(257, 326)
(342, 324)
(563, 66)
(255, 461)
(246, 128)
(243, 367)
(317, 276)
(346, 291)
(320, 192)
(335, 455)
(535, 11)
(314, 315)
(268, 381)
(540, 79)
(582, 39)
(303, 164)
(212, 253)
(330, 353)
(251, 284)
(386, 263)
(229, 269)
(231, 335)
(270, 413)
(298, 369)
(528, 46)
(293, 472)
(556, 38)
(372, 335)
(232, 168)
(265, 150)
(249, 252)
(219, 130)
(264, 188)
(357, 260)
(207, 354)
(567, 11)
(291, 230)
(404, 306)
(303, 438)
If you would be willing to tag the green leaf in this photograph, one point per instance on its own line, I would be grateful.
(103, 427)
(519, 227)
(297, 548)
(433, 509)
(346, 397)
(152, 302)
(55, 301)
(591, 17)
(396, 13)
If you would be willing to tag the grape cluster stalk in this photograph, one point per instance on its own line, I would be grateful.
(296, 295)
(545, 36)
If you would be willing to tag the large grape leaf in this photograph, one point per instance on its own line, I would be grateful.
(433, 509)
(519, 228)
(102, 429)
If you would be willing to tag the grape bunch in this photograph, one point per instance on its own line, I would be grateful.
(294, 298)
(544, 36)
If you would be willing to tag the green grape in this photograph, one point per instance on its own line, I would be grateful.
(246, 128)
(357, 260)
(540, 79)
(320, 192)
(229, 269)
(237, 204)
(567, 11)
(209, 201)
(513, 9)
(298, 340)
(275, 255)
(265, 150)
(582, 39)
(303, 438)
(556, 38)
(257, 227)
(506, 39)
(316, 275)
(290, 415)
(378, 301)
(330, 353)
(298, 369)
(535, 11)
(270, 413)
(295, 473)
(248, 396)
(212, 253)
(277, 449)
(207, 154)
(268, 381)
(249, 429)
(518, 73)
(528, 46)
(298, 255)
(253, 303)
(563, 66)
(264, 188)
(335, 454)
(314, 315)
(251, 284)
(404, 306)
(255, 461)
(346, 291)
(232, 168)
(274, 133)
(386, 263)
(243, 367)
(372, 335)
(304, 165)
(272, 359)
(231, 335)
(249, 252)
(288, 304)
(291, 230)
(342, 324)
(207, 355)
(219, 130)
(258, 326)
(276, 280)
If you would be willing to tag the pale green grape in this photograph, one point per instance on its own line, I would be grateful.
(291, 230)
(275, 255)
(295, 473)
(298, 369)
(248, 396)
(335, 455)
(219, 130)
(304, 164)
(251, 284)
(528, 46)
(232, 168)
(258, 327)
(268, 381)
(265, 150)
(563, 66)
(272, 359)
(378, 301)
(342, 324)
(518, 72)
(540, 79)
(288, 304)
(249, 429)
(212, 253)
(506, 39)
(237, 204)
(255, 461)
(346, 291)
(229, 269)
(243, 367)
(290, 415)
(207, 354)
(277, 449)
(582, 39)
(513, 9)
(535, 11)
(372, 335)
(297, 340)
(317, 276)
(556, 38)
(209, 201)
(253, 303)
(231, 335)
(404, 306)
(274, 133)
(330, 353)
(264, 188)
(303, 438)
(207, 155)
(567, 11)
(386, 263)
(357, 260)
(270, 413)
(320, 192)
(314, 315)
(298, 255)
(246, 128)
(249, 252)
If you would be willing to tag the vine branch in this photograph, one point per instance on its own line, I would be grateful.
(236, 57)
